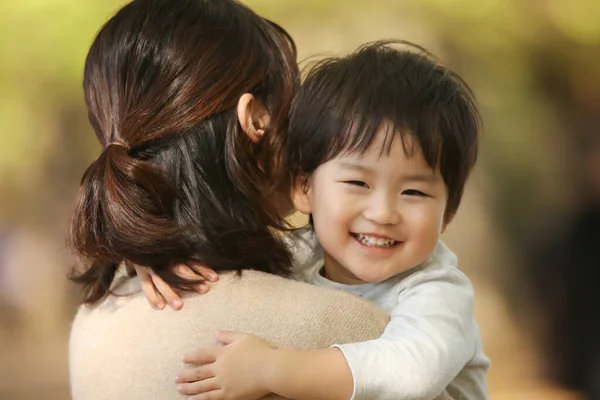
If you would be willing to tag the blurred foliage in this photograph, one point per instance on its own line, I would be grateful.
(44, 43)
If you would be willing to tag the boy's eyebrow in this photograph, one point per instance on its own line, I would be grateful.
(354, 166)
(424, 177)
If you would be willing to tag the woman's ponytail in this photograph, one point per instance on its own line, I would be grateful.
(123, 212)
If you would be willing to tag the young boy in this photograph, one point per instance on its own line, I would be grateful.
(381, 142)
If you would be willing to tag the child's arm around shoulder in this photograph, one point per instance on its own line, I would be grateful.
(432, 335)
(425, 345)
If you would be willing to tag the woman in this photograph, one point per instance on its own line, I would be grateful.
(189, 100)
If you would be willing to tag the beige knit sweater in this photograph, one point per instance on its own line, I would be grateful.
(122, 349)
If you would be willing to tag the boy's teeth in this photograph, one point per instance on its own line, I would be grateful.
(375, 241)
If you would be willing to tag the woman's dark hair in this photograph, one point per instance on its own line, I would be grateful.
(178, 180)
(344, 102)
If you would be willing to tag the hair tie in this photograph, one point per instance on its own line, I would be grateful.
(120, 144)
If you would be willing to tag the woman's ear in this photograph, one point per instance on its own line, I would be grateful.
(253, 116)
(301, 196)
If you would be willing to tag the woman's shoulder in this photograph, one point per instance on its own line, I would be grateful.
(236, 302)
(263, 285)
(125, 333)
(249, 289)
(290, 300)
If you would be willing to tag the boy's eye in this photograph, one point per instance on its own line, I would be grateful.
(413, 192)
(357, 183)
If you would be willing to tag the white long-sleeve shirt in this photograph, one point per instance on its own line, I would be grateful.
(432, 342)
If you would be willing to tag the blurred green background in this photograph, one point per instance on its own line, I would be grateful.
(534, 66)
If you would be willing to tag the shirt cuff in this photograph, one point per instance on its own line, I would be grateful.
(354, 388)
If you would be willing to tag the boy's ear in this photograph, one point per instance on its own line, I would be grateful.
(253, 116)
(301, 196)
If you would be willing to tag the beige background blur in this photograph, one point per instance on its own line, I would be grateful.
(534, 66)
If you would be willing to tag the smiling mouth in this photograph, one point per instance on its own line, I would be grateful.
(374, 241)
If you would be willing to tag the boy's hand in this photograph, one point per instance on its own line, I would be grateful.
(234, 371)
(157, 291)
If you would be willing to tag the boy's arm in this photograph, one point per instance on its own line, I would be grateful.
(428, 341)
(432, 335)
(247, 367)
(294, 376)
(309, 374)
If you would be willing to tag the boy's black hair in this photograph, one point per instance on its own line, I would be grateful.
(344, 101)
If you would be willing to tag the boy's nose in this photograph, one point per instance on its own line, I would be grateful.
(383, 210)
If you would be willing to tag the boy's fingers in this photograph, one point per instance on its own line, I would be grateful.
(203, 288)
(167, 292)
(208, 273)
(196, 271)
(199, 387)
(204, 356)
(183, 271)
(148, 288)
(195, 374)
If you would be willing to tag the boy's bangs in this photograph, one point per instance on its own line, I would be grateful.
(370, 115)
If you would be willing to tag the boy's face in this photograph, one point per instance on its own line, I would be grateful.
(375, 216)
